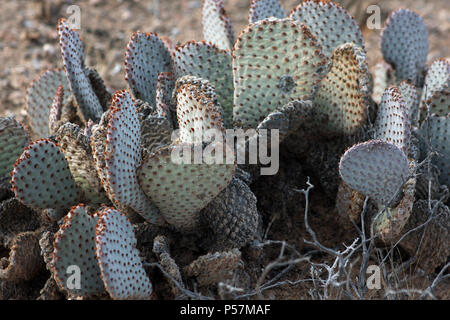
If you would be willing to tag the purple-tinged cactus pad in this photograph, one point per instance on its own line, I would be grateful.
(206, 61)
(404, 44)
(121, 267)
(262, 9)
(73, 57)
(197, 114)
(13, 139)
(40, 97)
(375, 168)
(180, 185)
(122, 157)
(75, 250)
(329, 23)
(41, 177)
(146, 56)
(217, 28)
(392, 124)
(341, 101)
(275, 61)
(436, 91)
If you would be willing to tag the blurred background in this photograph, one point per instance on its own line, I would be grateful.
(28, 40)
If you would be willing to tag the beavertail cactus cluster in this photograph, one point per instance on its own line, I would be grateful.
(108, 182)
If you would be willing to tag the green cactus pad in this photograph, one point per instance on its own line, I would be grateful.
(329, 23)
(214, 267)
(203, 60)
(438, 131)
(122, 157)
(74, 247)
(40, 97)
(404, 44)
(196, 114)
(121, 267)
(375, 168)
(392, 124)
(217, 28)
(409, 94)
(73, 57)
(179, 189)
(75, 146)
(383, 77)
(391, 222)
(341, 101)
(146, 56)
(41, 177)
(274, 62)
(436, 92)
(232, 216)
(13, 139)
(262, 9)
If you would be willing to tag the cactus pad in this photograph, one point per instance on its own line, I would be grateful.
(233, 216)
(196, 114)
(341, 101)
(99, 87)
(404, 44)
(122, 157)
(383, 77)
(375, 168)
(56, 110)
(214, 267)
(436, 92)
(274, 62)
(181, 190)
(203, 60)
(331, 24)
(409, 94)
(40, 97)
(121, 267)
(392, 124)
(75, 146)
(439, 132)
(217, 28)
(75, 246)
(13, 139)
(262, 9)
(73, 57)
(146, 56)
(41, 177)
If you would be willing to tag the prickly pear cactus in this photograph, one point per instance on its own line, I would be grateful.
(122, 157)
(383, 77)
(75, 146)
(342, 105)
(197, 114)
(39, 98)
(181, 185)
(376, 168)
(203, 60)
(41, 177)
(146, 56)
(437, 130)
(13, 139)
(392, 124)
(404, 44)
(262, 9)
(73, 58)
(275, 61)
(409, 94)
(164, 87)
(56, 110)
(232, 216)
(74, 250)
(436, 92)
(329, 23)
(217, 28)
(121, 267)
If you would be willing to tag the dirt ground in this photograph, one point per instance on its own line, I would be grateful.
(28, 46)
